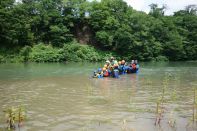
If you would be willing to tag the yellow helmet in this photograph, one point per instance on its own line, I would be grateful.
(104, 69)
(105, 66)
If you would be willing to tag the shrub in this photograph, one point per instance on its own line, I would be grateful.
(2, 59)
(46, 53)
(77, 52)
(72, 51)
(24, 52)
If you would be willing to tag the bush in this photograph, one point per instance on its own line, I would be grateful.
(72, 51)
(24, 52)
(77, 52)
(46, 53)
(2, 60)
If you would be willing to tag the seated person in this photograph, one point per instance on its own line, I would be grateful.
(132, 67)
(122, 67)
(113, 61)
(108, 66)
(98, 73)
(116, 71)
(105, 72)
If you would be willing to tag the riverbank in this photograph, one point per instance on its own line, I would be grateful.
(117, 28)
(73, 52)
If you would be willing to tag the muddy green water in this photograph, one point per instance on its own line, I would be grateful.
(63, 97)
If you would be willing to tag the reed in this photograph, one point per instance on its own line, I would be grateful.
(194, 116)
(173, 99)
(160, 102)
(158, 113)
(15, 116)
(192, 124)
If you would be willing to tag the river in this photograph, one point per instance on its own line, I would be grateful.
(64, 97)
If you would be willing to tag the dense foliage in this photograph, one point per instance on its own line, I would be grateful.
(72, 51)
(108, 25)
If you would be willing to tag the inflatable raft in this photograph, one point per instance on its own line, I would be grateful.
(115, 72)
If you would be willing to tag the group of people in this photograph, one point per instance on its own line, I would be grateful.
(115, 68)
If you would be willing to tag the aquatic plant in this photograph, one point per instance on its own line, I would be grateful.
(172, 120)
(160, 102)
(173, 93)
(15, 116)
(173, 99)
(124, 126)
(195, 106)
(193, 121)
(158, 113)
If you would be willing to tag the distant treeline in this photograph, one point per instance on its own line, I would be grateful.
(30, 28)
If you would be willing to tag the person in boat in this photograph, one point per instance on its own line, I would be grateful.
(126, 67)
(131, 67)
(113, 61)
(98, 73)
(105, 72)
(132, 61)
(119, 63)
(122, 69)
(135, 61)
(108, 66)
(116, 71)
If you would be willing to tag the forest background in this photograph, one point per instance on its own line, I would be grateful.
(80, 30)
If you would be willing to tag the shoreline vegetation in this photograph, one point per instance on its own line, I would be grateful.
(72, 52)
(80, 30)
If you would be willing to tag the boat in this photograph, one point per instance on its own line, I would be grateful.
(116, 71)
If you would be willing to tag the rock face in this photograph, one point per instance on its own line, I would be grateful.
(83, 34)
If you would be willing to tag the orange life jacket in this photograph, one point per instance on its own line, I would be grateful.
(106, 74)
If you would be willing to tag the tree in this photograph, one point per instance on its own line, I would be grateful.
(191, 9)
(186, 23)
(156, 11)
(109, 25)
(6, 37)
